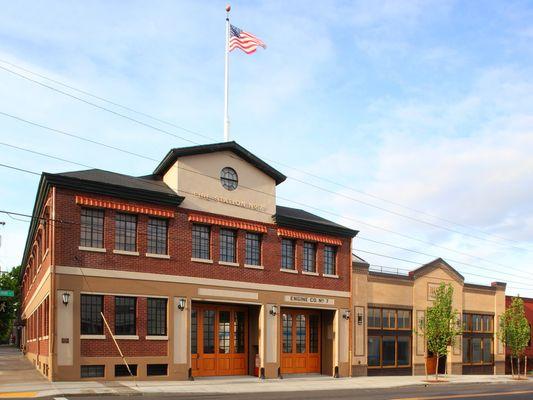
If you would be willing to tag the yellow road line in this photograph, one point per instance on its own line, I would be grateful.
(14, 395)
(461, 396)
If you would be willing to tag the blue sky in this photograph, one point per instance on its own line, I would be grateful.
(427, 104)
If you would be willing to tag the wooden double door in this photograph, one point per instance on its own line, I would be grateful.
(300, 341)
(219, 340)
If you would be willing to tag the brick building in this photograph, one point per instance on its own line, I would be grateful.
(528, 306)
(195, 270)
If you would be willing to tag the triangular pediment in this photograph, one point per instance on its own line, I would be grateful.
(437, 264)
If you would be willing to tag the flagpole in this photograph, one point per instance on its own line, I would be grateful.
(226, 78)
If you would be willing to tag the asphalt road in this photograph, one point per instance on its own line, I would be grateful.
(508, 391)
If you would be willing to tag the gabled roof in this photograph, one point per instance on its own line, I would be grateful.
(299, 219)
(234, 147)
(433, 265)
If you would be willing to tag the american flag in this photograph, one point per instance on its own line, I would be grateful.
(239, 39)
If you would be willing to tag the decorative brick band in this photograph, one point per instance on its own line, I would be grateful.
(87, 201)
(204, 219)
(312, 237)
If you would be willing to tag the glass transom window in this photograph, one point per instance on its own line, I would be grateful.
(229, 178)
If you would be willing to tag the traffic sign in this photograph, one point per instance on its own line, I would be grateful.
(7, 293)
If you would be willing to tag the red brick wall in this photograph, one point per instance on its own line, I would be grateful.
(32, 274)
(180, 250)
(130, 348)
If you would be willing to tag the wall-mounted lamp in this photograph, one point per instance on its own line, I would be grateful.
(359, 319)
(66, 297)
(181, 304)
(274, 310)
(346, 314)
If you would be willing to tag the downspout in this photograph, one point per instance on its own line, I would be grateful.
(52, 302)
(352, 314)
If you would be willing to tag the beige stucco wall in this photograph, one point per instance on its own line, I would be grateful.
(394, 291)
(383, 291)
(178, 358)
(197, 178)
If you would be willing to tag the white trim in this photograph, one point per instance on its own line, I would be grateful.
(253, 266)
(125, 252)
(154, 337)
(45, 254)
(148, 276)
(229, 264)
(310, 273)
(127, 337)
(289, 271)
(153, 255)
(95, 249)
(202, 260)
(36, 292)
(45, 337)
(330, 276)
(92, 337)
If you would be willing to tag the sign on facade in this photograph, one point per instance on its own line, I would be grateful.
(309, 300)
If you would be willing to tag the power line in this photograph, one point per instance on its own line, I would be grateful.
(437, 226)
(266, 193)
(364, 251)
(432, 255)
(71, 223)
(415, 262)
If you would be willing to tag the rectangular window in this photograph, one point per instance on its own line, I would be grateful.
(122, 370)
(201, 242)
(389, 319)
(487, 323)
(157, 316)
(404, 350)
(92, 228)
(126, 232)
(487, 351)
(286, 327)
(476, 323)
(227, 245)
(92, 371)
(388, 345)
(157, 236)
(194, 331)
(309, 259)
(209, 332)
(476, 350)
(374, 351)
(466, 350)
(287, 254)
(313, 333)
(91, 319)
(374, 318)
(157, 369)
(239, 332)
(404, 319)
(466, 323)
(253, 249)
(330, 253)
(125, 315)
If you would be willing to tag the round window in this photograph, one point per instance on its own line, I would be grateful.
(229, 178)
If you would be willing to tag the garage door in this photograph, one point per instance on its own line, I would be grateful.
(300, 341)
(219, 340)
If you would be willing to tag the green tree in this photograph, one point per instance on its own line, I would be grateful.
(514, 331)
(9, 305)
(441, 325)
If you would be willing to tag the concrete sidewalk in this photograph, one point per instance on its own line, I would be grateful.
(19, 379)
